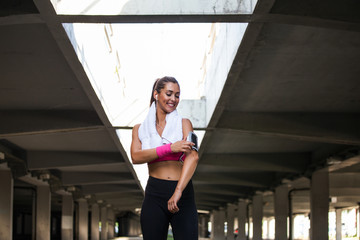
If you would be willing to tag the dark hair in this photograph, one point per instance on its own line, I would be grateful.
(160, 84)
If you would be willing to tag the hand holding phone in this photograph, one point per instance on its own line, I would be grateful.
(194, 139)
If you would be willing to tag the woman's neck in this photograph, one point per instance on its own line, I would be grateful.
(160, 116)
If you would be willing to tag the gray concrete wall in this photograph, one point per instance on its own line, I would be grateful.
(87, 7)
(227, 42)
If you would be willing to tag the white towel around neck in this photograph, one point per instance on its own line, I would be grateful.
(148, 134)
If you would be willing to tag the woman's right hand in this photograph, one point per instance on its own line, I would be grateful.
(181, 146)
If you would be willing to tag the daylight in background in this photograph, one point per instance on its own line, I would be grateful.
(122, 61)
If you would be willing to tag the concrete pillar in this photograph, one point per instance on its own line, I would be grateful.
(218, 225)
(67, 217)
(213, 222)
(319, 205)
(257, 216)
(103, 218)
(358, 221)
(95, 218)
(6, 204)
(281, 204)
(242, 214)
(110, 220)
(203, 221)
(338, 212)
(230, 222)
(201, 225)
(43, 211)
(83, 219)
(222, 220)
(267, 224)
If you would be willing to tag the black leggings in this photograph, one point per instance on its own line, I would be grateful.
(155, 216)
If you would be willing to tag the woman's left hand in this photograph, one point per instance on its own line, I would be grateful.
(181, 146)
(172, 203)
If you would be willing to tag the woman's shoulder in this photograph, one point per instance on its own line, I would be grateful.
(186, 124)
(136, 127)
(186, 121)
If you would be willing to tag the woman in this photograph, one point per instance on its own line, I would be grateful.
(160, 142)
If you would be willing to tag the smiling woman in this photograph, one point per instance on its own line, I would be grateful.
(166, 93)
(160, 142)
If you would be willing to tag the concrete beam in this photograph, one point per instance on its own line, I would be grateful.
(38, 160)
(280, 162)
(344, 179)
(21, 19)
(18, 8)
(212, 204)
(119, 195)
(125, 201)
(345, 164)
(206, 207)
(155, 7)
(88, 178)
(211, 197)
(196, 18)
(107, 188)
(337, 128)
(228, 179)
(26, 122)
(224, 190)
(330, 9)
(217, 197)
(345, 191)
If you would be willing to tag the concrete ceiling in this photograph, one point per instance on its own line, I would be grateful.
(290, 103)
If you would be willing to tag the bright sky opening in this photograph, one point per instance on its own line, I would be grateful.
(122, 62)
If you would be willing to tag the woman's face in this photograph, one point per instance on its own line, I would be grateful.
(169, 97)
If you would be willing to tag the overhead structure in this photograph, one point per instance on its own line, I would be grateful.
(290, 104)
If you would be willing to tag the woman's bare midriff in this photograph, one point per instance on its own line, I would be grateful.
(167, 170)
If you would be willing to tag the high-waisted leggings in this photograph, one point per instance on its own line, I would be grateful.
(155, 216)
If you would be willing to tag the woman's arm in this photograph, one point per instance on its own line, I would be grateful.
(140, 156)
(187, 172)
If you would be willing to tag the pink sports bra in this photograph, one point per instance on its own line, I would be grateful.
(170, 157)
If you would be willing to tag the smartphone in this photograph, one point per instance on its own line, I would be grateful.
(194, 139)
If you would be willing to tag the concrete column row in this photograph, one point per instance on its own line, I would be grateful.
(67, 218)
(230, 216)
(217, 224)
(281, 207)
(43, 214)
(6, 204)
(319, 204)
